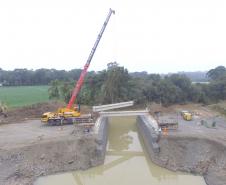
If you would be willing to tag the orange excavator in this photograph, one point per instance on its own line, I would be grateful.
(68, 114)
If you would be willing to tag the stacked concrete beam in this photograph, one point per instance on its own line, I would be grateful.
(112, 106)
(124, 113)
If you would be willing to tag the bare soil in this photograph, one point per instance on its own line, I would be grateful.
(35, 111)
(29, 149)
(196, 146)
(30, 132)
(29, 112)
(200, 125)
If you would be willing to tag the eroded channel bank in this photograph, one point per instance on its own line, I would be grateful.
(197, 155)
(126, 162)
(76, 151)
(22, 165)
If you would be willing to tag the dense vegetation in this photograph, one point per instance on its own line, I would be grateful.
(116, 84)
(27, 77)
(24, 77)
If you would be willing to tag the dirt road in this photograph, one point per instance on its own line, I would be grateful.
(29, 133)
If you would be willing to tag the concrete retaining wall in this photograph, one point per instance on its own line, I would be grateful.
(149, 134)
(102, 137)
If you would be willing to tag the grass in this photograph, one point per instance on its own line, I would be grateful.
(219, 107)
(23, 95)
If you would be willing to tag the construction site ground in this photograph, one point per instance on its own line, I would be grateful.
(30, 132)
(22, 126)
(196, 146)
(195, 128)
(25, 129)
(29, 148)
(200, 125)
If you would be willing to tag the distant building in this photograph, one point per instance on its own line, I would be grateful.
(1, 85)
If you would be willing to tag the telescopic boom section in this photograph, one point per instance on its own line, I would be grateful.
(84, 71)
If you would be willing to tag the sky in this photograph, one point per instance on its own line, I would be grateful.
(157, 36)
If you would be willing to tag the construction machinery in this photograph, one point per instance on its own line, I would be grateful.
(72, 114)
(186, 115)
(166, 122)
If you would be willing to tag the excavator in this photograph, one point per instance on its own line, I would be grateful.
(72, 114)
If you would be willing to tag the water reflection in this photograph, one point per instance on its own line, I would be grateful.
(119, 138)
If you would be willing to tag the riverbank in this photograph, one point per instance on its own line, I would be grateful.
(195, 155)
(35, 150)
(126, 163)
(192, 148)
(29, 150)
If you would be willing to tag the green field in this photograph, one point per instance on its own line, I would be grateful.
(23, 95)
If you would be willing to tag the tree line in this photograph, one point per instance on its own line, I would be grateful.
(18, 77)
(115, 84)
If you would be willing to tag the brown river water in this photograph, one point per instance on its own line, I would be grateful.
(126, 163)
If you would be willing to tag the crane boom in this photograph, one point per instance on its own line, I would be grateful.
(84, 71)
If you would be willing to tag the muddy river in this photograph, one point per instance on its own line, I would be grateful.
(126, 163)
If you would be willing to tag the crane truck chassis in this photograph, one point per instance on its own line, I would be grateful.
(67, 115)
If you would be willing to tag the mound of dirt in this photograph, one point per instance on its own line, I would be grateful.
(24, 164)
(35, 111)
(195, 155)
(29, 112)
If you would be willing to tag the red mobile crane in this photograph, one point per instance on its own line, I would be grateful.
(68, 114)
